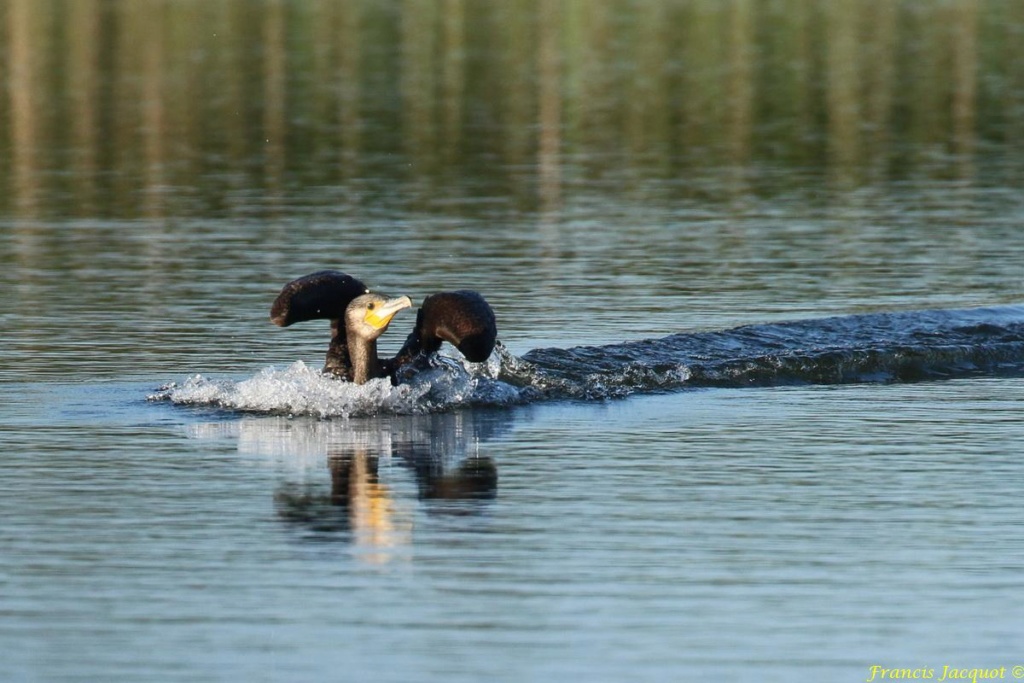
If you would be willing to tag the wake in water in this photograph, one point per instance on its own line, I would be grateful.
(887, 347)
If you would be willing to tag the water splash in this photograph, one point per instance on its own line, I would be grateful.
(301, 390)
(886, 347)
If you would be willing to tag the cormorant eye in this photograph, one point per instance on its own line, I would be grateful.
(370, 306)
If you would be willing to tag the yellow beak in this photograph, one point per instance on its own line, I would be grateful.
(382, 314)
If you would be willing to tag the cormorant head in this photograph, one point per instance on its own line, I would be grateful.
(369, 314)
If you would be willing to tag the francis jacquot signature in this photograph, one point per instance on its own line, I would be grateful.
(946, 673)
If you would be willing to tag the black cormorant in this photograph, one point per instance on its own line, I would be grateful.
(358, 317)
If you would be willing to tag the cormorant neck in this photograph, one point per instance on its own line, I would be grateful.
(363, 354)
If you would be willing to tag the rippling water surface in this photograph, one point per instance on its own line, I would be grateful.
(757, 415)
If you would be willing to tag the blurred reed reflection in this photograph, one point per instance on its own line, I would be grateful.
(120, 107)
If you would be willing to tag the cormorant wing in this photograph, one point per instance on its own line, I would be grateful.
(463, 318)
(323, 295)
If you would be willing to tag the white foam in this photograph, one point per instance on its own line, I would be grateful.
(301, 390)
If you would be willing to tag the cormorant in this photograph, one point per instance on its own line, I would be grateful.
(366, 318)
(358, 317)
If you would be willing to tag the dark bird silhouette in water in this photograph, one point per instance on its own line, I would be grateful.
(358, 317)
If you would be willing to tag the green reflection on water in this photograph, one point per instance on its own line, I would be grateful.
(126, 108)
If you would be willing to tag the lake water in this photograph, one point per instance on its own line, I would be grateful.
(815, 208)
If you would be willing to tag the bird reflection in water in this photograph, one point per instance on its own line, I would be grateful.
(369, 499)
(371, 510)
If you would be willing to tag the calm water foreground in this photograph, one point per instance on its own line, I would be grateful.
(755, 174)
(739, 534)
